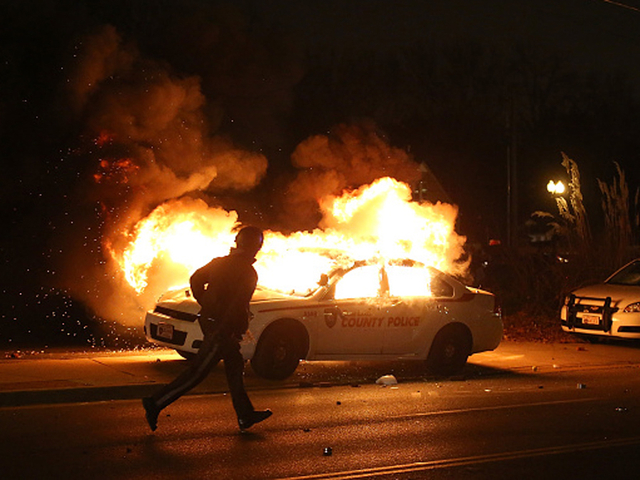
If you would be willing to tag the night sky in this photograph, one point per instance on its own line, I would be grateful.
(109, 108)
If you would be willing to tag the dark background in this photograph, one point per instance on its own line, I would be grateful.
(454, 84)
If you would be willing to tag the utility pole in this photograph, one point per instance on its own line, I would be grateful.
(512, 173)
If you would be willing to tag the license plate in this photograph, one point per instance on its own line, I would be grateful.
(165, 331)
(591, 319)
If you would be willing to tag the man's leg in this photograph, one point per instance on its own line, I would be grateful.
(207, 357)
(234, 369)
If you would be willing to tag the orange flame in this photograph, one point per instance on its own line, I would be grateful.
(377, 221)
(117, 171)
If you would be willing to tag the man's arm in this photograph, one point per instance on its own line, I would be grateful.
(198, 281)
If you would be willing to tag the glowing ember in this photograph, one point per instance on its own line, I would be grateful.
(376, 222)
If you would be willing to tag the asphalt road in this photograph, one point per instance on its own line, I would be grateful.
(501, 419)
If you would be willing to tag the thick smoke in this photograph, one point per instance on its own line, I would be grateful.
(142, 111)
(348, 157)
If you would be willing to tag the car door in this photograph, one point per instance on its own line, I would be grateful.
(352, 315)
(414, 312)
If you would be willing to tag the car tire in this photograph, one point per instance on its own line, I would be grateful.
(449, 351)
(277, 354)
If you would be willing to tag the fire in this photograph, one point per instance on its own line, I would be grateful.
(117, 171)
(388, 224)
(375, 222)
(174, 240)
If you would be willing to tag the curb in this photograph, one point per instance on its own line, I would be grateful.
(25, 398)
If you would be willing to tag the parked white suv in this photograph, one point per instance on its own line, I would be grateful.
(609, 309)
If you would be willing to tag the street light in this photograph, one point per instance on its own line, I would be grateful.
(555, 188)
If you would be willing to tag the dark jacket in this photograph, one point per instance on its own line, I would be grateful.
(224, 288)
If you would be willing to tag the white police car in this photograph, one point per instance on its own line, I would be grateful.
(396, 311)
(606, 310)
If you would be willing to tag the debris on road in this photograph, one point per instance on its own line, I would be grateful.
(386, 380)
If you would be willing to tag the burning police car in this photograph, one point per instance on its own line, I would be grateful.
(391, 311)
(609, 309)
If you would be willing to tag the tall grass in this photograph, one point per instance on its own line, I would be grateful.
(572, 209)
(619, 232)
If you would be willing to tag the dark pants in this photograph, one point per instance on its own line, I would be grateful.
(214, 347)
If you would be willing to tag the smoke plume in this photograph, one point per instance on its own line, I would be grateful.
(148, 139)
(346, 158)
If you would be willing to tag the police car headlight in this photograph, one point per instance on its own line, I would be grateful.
(632, 308)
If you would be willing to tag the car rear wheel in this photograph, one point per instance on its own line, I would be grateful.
(278, 353)
(449, 350)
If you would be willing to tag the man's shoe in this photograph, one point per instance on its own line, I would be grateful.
(151, 412)
(253, 418)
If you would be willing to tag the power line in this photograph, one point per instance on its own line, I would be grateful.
(622, 5)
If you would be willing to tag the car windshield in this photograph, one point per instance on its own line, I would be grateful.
(630, 275)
